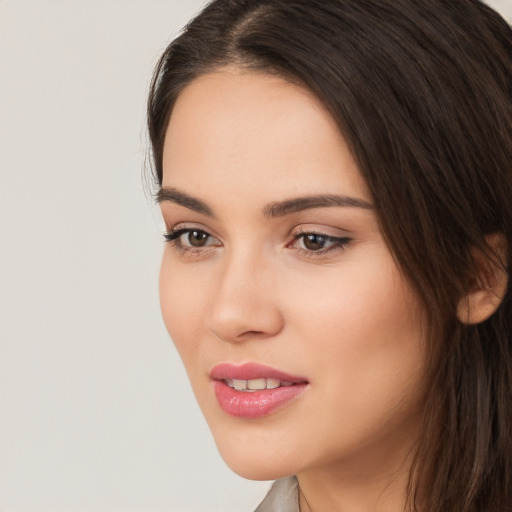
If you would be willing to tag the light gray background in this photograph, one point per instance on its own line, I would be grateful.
(95, 410)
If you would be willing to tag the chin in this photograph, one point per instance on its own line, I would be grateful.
(255, 458)
(254, 468)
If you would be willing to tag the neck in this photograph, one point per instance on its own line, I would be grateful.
(377, 482)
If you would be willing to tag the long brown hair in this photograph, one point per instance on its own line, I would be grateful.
(422, 92)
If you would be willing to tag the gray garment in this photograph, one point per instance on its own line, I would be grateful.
(282, 497)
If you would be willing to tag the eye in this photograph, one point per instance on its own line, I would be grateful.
(314, 242)
(318, 244)
(195, 238)
(190, 238)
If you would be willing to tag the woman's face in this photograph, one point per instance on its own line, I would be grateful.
(303, 341)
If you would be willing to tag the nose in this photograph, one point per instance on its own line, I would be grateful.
(243, 304)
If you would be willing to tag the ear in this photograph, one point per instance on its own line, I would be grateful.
(490, 282)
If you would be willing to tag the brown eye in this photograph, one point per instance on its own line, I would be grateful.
(197, 238)
(314, 242)
(319, 244)
(189, 238)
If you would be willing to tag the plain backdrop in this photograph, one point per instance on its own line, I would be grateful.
(96, 414)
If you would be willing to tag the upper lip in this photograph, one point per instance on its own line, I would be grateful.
(249, 371)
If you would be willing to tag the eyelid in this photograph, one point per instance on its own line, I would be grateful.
(339, 241)
(174, 234)
(323, 230)
(190, 226)
(334, 243)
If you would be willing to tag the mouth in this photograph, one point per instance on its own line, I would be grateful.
(257, 384)
(252, 390)
(253, 374)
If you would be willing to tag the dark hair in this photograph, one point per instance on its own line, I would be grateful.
(422, 92)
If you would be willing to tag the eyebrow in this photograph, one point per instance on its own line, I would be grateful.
(277, 209)
(282, 208)
(173, 195)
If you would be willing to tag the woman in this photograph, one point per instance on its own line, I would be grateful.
(335, 180)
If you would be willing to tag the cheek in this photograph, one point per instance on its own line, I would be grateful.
(181, 305)
(363, 327)
(352, 301)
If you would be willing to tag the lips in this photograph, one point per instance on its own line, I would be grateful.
(252, 390)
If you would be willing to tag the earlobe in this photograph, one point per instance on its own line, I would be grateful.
(490, 283)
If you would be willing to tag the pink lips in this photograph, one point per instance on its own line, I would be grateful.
(254, 404)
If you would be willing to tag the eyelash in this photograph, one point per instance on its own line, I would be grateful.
(174, 235)
(338, 243)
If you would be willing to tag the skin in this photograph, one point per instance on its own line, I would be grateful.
(345, 318)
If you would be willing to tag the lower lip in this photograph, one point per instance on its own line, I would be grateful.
(255, 404)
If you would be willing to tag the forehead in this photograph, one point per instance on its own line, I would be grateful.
(243, 131)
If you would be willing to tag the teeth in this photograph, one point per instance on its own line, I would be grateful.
(256, 384)
(240, 385)
(273, 383)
